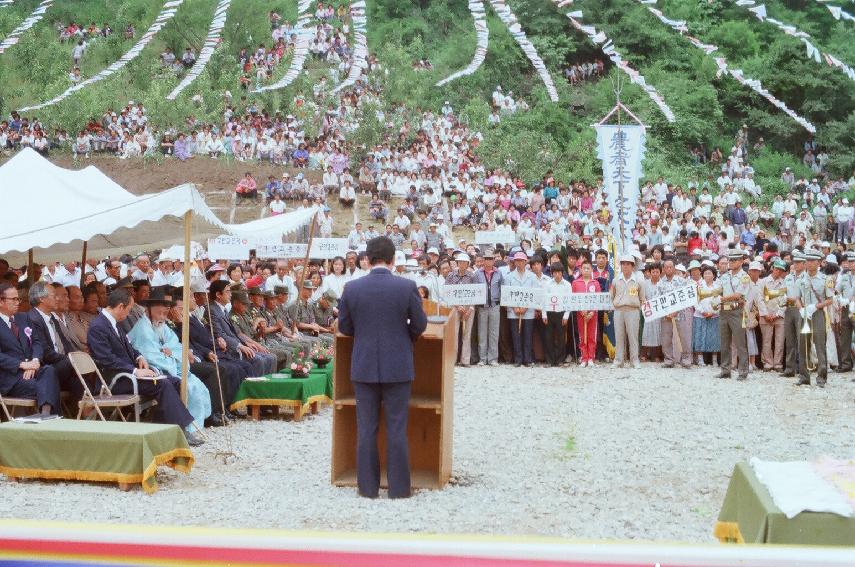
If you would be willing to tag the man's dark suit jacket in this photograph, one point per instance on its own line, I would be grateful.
(111, 353)
(14, 350)
(41, 334)
(384, 315)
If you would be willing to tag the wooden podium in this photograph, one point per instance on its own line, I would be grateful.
(430, 423)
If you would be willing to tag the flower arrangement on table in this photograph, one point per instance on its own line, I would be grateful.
(300, 366)
(322, 354)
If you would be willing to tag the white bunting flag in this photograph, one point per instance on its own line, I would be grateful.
(304, 34)
(482, 34)
(737, 74)
(510, 20)
(359, 58)
(615, 57)
(34, 18)
(167, 13)
(215, 31)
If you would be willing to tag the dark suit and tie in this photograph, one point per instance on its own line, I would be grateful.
(19, 344)
(384, 315)
(53, 354)
(113, 353)
(223, 328)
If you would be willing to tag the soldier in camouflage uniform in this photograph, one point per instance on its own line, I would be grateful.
(302, 311)
(276, 331)
(289, 326)
(247, 324)
(326, 311)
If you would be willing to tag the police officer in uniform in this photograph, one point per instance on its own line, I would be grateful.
(734, 285)
(792, 316)
(845, 289)
(816, 293)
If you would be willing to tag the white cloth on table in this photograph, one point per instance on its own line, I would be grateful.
(796, 487)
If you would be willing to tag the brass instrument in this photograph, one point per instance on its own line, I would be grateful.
(707, 293)
(807, 333)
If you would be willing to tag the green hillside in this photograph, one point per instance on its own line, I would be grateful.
(709, 109)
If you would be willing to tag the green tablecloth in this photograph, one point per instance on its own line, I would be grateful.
(291, 392)
(109, 451)
(749, 515)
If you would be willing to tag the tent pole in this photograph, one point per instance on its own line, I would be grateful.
(83, 264)
(185, 311)
(30, 268)
(308, 250)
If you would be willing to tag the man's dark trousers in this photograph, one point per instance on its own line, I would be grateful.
(395, 397)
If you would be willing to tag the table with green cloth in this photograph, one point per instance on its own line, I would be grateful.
(749, 515)
(283, 391)
(101, 451)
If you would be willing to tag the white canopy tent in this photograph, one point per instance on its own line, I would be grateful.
(58, 210)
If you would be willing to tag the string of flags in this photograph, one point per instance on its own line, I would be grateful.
(476, 8)
(837, 12)
(35, 17)
(755, 85)
(759, 12)
(359, 59)
(304, 34)
(510, 20)
(599, 38)
(215, 32)
(167, 13)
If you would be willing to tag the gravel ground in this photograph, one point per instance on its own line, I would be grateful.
(594, 453)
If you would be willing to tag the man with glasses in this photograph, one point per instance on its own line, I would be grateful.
(21, 372)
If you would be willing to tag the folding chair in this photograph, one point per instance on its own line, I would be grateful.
(7, 402)
(84, 365)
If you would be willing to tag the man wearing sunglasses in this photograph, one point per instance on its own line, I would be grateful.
(21, 372)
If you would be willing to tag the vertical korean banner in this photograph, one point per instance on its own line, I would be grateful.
(621, 149)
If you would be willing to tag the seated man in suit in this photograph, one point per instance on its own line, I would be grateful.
(384, 315)
(113, 354)
(220, 295)
(221, 376)
(21, 372)
(47, 332)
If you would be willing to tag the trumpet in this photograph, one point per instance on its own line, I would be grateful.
(770, 294)
(807, 334)
(705, 293)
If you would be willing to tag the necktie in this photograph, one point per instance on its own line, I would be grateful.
(60, 348)
(14, 328)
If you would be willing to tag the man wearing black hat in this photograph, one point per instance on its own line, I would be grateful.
(384, 316)
(113, 353)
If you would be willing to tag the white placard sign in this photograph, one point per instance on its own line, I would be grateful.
(495, 237)
(577, 302)
(528, 297)
(322, 248)
(328, 248)
(286, 250)
(671, 302)
(464, 294)
(228, 248)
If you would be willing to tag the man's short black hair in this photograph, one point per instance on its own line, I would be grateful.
(601, 252)
(380, 250)
(217, 287)
(118, 297)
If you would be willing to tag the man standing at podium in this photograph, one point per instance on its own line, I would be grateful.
(384, 315)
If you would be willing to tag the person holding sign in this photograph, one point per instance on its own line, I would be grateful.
(587, 320)
(464, 275)
(554, 345)
(627, 295)
(521, 319)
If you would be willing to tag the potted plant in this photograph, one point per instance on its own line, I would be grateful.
(322, 354)
(301, 366)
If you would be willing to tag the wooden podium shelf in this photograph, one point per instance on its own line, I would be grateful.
(431, 410)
